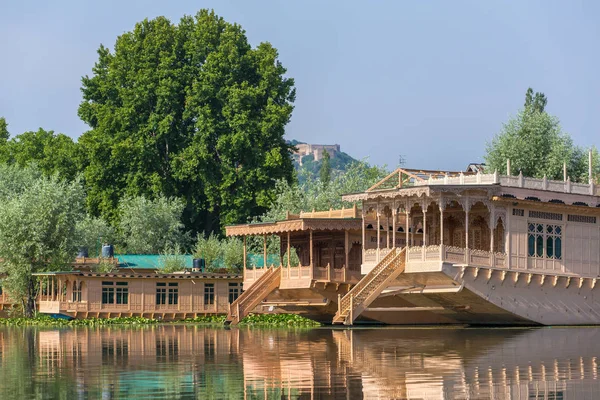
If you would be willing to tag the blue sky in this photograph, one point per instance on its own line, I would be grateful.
(429, 80)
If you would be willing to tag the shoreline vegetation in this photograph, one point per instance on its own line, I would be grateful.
(258, 320)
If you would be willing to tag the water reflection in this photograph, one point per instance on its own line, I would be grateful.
(177, 361)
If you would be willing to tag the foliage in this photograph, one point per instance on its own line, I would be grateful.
(105, 267)
(92, 233)
(312, 194)
(172, 260)
(325, 171)
(37, 232)
(187, 110)
(210, 249)
(536, 146)
(233, 254)
(45, 320)
(339, 163)
(150, 226)
(15, 180)
(206, 319)
(278, 320)
(51, 153)
(4, 135)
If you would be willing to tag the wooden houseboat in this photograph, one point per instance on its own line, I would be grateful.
(442, 247)
(125, 293)
(328, 245)
(478, 249)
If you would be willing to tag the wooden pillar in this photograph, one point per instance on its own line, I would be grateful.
(347, 248)
(310, 233)
(288, 249)
(467, 209)
(387, 231)
(364, 233)
(507, 238)
(265, 250)
(245, 255)
(406, 212)
(378, 233)
(394, 214)
(441, 225)
(492, 228)
(424, 227)
(52, 292)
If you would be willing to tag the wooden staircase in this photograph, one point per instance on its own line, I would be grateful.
(370, 287)
(252, 297)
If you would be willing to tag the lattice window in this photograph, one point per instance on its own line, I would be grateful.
(545, 215)
(581, 218)
(544, 241)
(519, 212)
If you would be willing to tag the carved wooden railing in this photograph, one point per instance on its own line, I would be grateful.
(250, 298)
(514, 181)
(367, 290)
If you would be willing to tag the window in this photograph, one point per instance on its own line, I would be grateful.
(161, 293)
(115, 292)
(77, 291)
(122, 293)
(544, 241)
(173, 293)
(519, 212)
(209, 293)
(234, 292)
(545, 215)
(108, 293)
(581, 218)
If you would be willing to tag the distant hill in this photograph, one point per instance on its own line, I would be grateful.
(308, 157)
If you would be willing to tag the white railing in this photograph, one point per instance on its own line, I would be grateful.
(514, 181)
(370, 256)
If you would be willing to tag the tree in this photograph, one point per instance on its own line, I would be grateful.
(4, 135)
(92, 232)
(210, 249)
(52, 153)
(189, 111)
(150, 226)
(534, 143)
(37, 232)
(233, 254)
(325, 172)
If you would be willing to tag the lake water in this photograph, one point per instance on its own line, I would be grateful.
(185, 361)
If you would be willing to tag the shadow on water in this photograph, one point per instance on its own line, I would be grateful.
(185, 361)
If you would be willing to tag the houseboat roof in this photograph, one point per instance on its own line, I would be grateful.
(315, 220)
(122, 274)
(405, 182)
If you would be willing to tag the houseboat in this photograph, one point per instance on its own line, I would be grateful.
(328, 245)
(468, 248)
(130, 291)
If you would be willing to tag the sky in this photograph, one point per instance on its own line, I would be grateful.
(429, 81)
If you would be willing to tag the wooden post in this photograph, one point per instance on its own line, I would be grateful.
(265, 250)
(394, 214)
(310, 233)
(467, 231)
(441, 226)
(492, 228)
(387, 232)
(378, 233)
(245, 255)
(347, 248)
(424, 233)
(407, 227)
(288, 249)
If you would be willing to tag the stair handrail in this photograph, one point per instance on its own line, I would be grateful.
(254, 290)
(357, 290)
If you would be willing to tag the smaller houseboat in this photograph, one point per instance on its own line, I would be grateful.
(142, 292)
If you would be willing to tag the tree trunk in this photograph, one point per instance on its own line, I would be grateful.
(29, 308)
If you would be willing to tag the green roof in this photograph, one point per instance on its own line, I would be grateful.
(154, 261)
(148, 261)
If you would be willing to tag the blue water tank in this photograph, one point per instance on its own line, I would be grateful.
(108, 251)
(198, 265)
(83, 252)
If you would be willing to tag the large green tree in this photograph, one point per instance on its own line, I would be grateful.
(51, 153)
(188, 110)
(536, 145)
(37, 229)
